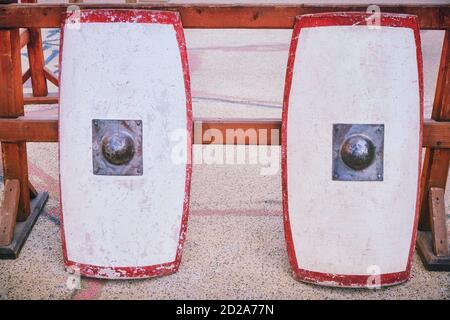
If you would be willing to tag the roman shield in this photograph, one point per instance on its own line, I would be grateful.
(125, 106)
(351, 148)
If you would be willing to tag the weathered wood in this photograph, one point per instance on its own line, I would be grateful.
(438, 221)
(11, 102)
(50, 98)
(436, 161)
(29, 128)
(436, 134)
(36, 128)
(15, 167)
(237, 131)
(23, 229)
(9, 97)
(429, 259)
(203, 15)
(8, 211)
(36, 60)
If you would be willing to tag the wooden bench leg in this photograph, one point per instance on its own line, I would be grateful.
(438, 222)
(14, 155)
(15, 167)
(11, 105)
(432, 242)
(8, 211)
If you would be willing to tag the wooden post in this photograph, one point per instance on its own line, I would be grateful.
(11, 106)
(36, 60)
(438, 222)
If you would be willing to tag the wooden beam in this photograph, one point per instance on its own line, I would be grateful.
(50, 98)
(8, 94)
(36, 60)
(436, 134)
(237, 131)
(36, 128)
(201, 15)
(8, 211)
(30, 129)
(11, 105)
(438, 222)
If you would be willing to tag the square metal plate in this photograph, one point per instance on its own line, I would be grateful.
(340, 170)
(101, 129)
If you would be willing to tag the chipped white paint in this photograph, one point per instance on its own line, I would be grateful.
(121, 71)
(351, 74)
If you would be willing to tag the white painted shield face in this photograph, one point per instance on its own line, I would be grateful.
(124, 65)
(352, 233)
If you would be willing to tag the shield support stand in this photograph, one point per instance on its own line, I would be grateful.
(433, 234)
(21, 203)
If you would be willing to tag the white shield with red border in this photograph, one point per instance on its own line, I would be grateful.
(351, 148)
(125, 104)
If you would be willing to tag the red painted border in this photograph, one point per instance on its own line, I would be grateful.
(344, 19)
(139, 16)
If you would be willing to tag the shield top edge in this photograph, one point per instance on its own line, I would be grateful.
(385, 19)
(77, 15)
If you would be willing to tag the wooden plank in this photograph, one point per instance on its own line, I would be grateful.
(16, 73)
(36, 60)
(436, 134)
(436, 163)
(203, 15)
(438, 221)
(7, 94)
(29, 128)
(51, 77)
(11, 105)
(50, 98)
(37, 128)
(237, 131)
(8, 211)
